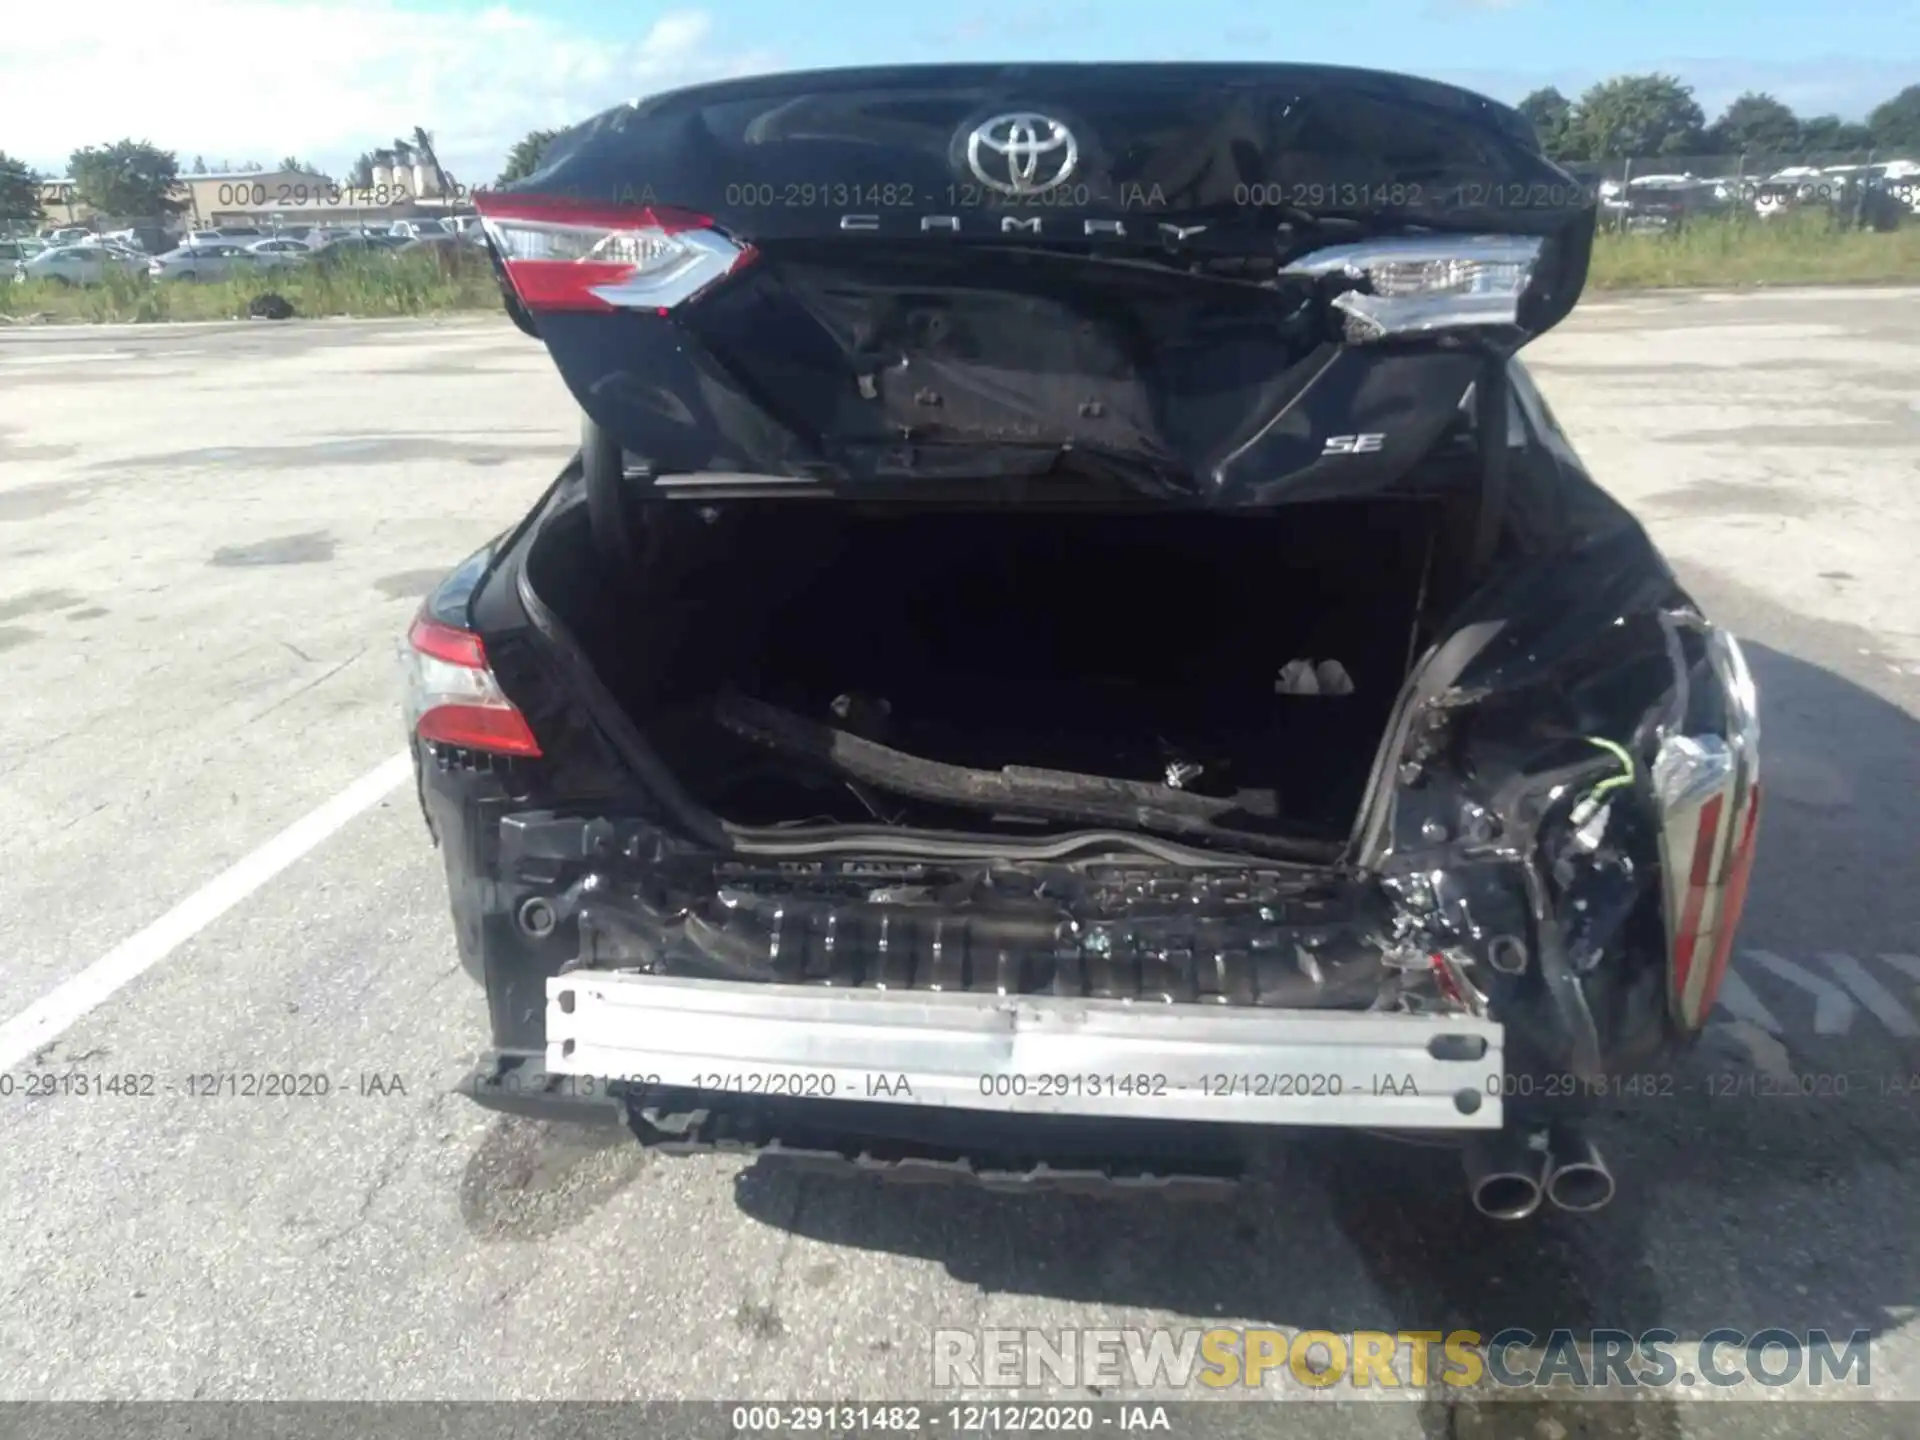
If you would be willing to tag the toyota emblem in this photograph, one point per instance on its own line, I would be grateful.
(1022, 153)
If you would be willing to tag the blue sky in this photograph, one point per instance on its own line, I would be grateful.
(324, 79)
(1513, 39)
(1843, 55)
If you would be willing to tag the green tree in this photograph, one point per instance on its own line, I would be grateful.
(1634, 115)
(199, 166)
(1552, 117)
(1756, 123)
(1829, 134)
(128, 179)
(289, 162)
(19, 193)
(524, 158)
(1896, 123)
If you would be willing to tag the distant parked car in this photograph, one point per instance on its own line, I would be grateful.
(1662, 202)
(1902, 179)
(1794, 187)
(227, 235)
(281, 250)
(453, 253)
(77, 265)
(1867, 201)
(65, 234)
(203, 262)
(363, 245)
(1859, 196)
(113, 243)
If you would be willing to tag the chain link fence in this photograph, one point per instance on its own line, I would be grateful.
(1858, 189)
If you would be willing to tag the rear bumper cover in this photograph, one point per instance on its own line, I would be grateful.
(1028, 1055)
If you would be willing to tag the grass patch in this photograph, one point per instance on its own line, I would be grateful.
(1784, 250)
(423, 283)
(1781, 250)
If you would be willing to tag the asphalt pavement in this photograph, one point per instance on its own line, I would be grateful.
(211, 538)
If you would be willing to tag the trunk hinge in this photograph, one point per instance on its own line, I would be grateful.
(608, 479)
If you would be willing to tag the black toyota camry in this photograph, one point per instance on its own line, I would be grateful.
(1071, 642)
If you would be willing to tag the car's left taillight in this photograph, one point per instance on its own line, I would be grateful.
(452, 697)
(560, 255)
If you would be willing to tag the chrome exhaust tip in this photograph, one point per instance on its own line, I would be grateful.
(1507, 1174)
(1579, 1179)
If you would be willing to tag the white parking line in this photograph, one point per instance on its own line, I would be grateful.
(1906, 964)
(1872, 994)
(49, 1017)
(1738, 1000)
(1833, 1009)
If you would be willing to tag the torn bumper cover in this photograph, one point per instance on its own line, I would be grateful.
(1028, 1055)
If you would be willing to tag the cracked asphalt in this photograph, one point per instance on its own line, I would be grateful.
(210, 539)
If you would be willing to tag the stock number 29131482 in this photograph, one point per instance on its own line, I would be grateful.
(829, 1419)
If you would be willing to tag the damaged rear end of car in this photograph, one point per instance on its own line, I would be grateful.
(1071, 642)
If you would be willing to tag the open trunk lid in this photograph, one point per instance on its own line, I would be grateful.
(1223, 284)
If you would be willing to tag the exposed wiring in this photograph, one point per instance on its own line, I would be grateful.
(1591, 802)
(1612, 782)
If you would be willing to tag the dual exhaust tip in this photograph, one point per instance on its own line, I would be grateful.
(1512, 1174)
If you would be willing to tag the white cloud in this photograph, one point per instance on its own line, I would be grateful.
(325, 79)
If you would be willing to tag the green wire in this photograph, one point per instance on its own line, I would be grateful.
(1612, 782)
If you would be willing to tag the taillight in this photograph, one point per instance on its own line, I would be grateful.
(562, 255)
(453, 697)
(1733, 900)
(1708, 787)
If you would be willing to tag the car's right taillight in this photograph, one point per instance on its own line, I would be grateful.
(1708, 790)
(1418, 285)
(560, 255)
(453, 697)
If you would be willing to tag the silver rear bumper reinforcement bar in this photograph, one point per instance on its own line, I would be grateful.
(1029, 1055)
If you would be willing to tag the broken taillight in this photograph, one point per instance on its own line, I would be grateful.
(565, 255)
(1708, 787)
(453, 697)
(1419, 284)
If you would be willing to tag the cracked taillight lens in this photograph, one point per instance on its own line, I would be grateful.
(1416, 285)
